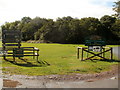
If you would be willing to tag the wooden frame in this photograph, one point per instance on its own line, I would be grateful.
(12, 39)
(100, 54)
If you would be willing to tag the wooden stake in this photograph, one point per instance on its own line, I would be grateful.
(82, 55)
(111, 53)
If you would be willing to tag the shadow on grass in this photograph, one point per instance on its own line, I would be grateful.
(25, 63)
(110, 60)
(105, 60)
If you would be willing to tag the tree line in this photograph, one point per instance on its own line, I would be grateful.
(68, 29)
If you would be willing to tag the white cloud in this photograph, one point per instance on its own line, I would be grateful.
(12, 10)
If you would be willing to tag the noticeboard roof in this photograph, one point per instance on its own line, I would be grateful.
(95, 43)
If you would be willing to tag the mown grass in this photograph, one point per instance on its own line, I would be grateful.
(55, 59)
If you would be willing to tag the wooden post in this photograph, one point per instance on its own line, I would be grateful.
(13, 58)
(103, 52)
(82, 54)
(78, 53)
(19, 48)
(37, 54)
(111, 53)
(4, 57)
(33, 53)
(87, 54)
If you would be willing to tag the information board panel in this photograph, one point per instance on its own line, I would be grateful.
(11, 36)
(95, 48)
(18, 52)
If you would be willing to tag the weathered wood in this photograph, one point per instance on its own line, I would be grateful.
(78, 53)
(11, 40)
(12, 44)
(96, 54)
(18, 52)
(111, 53)
(82, 54)
(11, 36)
(101, 54)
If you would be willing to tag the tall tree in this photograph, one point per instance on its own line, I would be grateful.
(107, 20)
(26, 20)
(107, 23)
(11, 26)
(90, 25)
(117, 9)
(116, 28)
(29, 29)
(46, 32)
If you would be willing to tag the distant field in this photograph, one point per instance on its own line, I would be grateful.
(55, 59)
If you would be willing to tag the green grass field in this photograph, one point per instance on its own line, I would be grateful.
(55, 59)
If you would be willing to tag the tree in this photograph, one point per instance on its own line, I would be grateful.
(90, 25)
(29, 29)
(117, 9)
(107, 24)
(107, 20)
(6, 26)
(75, 34)
(116, 28)
(25, 20)
(46, 32)
(11, 26)
(62, 25)
(66, 29)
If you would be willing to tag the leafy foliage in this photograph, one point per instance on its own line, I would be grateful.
(117, 9)
(67, 29)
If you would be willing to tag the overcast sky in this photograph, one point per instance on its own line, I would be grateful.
(12, 10)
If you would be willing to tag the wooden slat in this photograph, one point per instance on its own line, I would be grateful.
(27, 47)
(30, 49)
(32, 55)
(12, 44)
(28, 53)
(11, 41)
(11, 31)
(12, 55)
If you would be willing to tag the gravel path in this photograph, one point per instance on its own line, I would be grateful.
(41, 83)
(108, 79)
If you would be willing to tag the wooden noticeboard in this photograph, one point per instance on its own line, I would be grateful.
(95, 43)
(11, 36)
(95, 48)
(18, 52)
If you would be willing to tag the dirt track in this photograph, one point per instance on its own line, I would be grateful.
(107, 79)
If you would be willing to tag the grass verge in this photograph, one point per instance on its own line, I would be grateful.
(55, 59)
